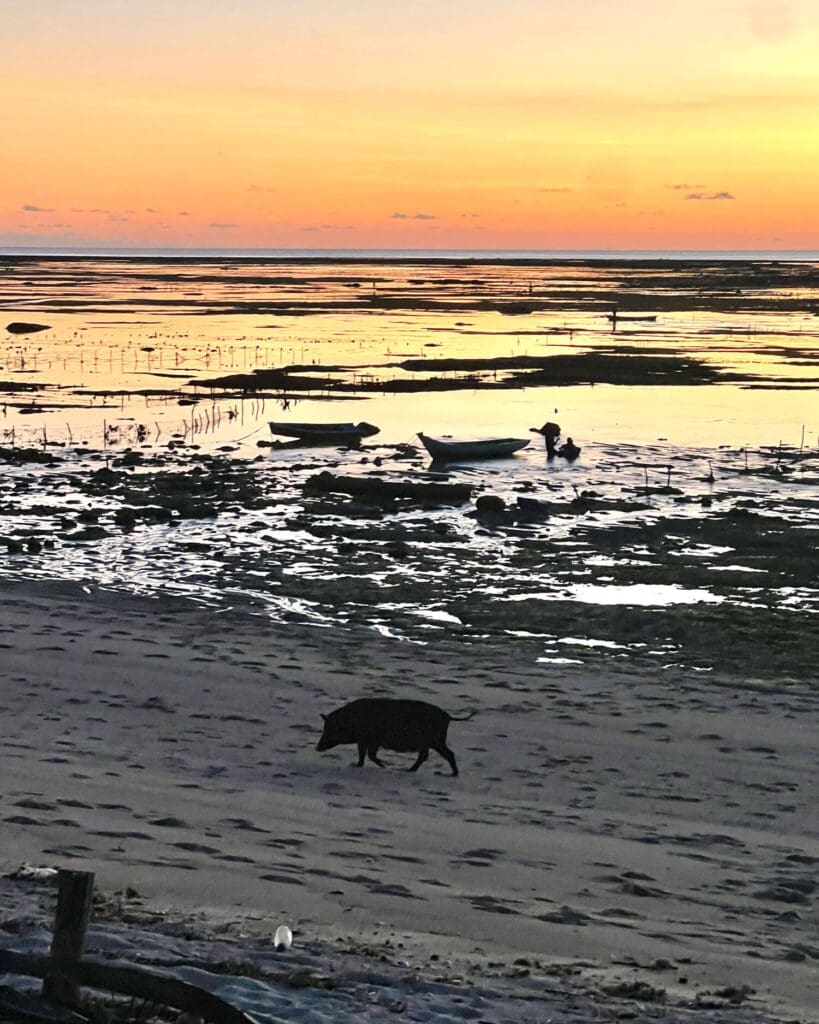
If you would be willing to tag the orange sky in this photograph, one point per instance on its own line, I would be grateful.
(566, 124)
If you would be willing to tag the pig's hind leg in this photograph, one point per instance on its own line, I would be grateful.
(372, 752)
(446, 753)
(423, 754)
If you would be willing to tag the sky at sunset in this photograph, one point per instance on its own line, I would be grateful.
(479, 124)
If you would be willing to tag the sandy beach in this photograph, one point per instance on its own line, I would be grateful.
(650, 841)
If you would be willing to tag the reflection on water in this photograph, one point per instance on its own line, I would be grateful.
(131, 339)
(642, 594)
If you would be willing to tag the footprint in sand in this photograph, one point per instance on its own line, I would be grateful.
(242, 824)
(67, 851)
(211, 851)
(492, 905)
(566, 915)
(480, 858)
(30, 804)
(282, 879)
(393, 889)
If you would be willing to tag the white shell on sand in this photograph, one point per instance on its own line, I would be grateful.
(31, 871)
(283, 939)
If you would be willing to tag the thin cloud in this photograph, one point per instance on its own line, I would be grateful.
(708, 196)
(81, 209)
(27, 237)
(769, 20)
(413, 216)
(222, 226)
(561, 188)
(32, 208)
(684, 188)
(329, 227)
(260, 188)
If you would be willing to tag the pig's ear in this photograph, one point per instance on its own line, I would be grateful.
(324, 717)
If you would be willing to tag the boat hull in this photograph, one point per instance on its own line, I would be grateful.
(324, 433)
(489, 448)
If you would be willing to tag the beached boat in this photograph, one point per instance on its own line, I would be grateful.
(487, 448)
(324, 433)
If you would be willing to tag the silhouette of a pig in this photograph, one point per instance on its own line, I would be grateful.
(403, 725)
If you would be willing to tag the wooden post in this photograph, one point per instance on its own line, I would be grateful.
(70, 925)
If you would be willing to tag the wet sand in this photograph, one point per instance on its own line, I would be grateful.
(620, 827)
(709, 564)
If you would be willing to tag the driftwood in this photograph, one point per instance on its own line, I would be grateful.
(27, 1007)
(76, 889)
(378, 489)
(130, 981)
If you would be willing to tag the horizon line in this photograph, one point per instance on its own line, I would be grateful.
(101, 250)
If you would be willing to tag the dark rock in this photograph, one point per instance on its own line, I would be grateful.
(125, 517)
(374, 488)
(490, 505)
(18, 456)
(89, 533)
(531, 510)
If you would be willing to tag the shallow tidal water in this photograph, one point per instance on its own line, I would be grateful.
(687, 500)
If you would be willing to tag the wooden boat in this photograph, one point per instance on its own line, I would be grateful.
(625, 316)
(488, 448)
(324, 433)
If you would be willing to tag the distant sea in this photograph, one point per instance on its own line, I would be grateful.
(425, 255)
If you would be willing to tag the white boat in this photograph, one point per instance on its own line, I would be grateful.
(486, 448)
(324, 433)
